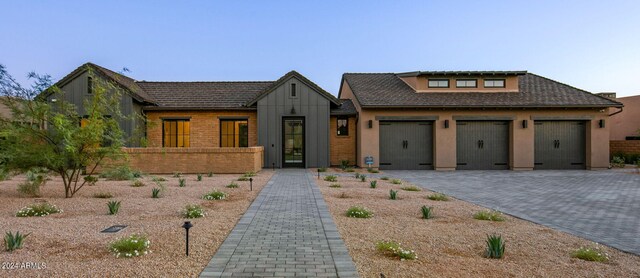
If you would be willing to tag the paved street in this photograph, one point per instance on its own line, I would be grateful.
(602, 206)
(287, 231)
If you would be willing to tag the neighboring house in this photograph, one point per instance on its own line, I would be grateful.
(418, 120)
(477, 120)
(626, 124)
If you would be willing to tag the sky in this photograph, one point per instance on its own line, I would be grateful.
(592, 45)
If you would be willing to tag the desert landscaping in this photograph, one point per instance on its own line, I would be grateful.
(452, 242)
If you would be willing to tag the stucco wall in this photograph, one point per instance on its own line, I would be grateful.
(626, 123)
(420, 84)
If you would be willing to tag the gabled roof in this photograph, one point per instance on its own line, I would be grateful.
(346, 108)
(388, 90)
(300, 77)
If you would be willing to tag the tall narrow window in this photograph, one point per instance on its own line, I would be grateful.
(234, 133)
(294, 94)
(89, 85)
(176, 133)
(343, 126)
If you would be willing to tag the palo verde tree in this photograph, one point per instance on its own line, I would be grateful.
(54, 135)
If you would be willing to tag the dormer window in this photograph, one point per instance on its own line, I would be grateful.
(494, 83)
(438, 83)
(466, 83)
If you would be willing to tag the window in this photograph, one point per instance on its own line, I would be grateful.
(494, 83)
(466, 83)
(294, 94)
(343, 126)
(438, 83)
(234, 133)
(175, 133)
(89, 85)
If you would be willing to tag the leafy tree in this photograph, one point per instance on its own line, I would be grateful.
(53, 135)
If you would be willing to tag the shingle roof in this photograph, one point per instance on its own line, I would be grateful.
(346, 108)
(388, 90)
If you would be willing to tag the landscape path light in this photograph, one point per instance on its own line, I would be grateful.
(187, 225)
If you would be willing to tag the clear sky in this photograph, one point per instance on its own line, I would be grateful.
(593, 45)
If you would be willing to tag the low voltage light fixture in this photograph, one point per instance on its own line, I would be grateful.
(293, 110)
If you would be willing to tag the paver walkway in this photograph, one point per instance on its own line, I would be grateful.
(602, 206)
(287, 231)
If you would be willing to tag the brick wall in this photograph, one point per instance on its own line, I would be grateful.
(205, 126)
(624, 146)
(195, 160)
(342, 147)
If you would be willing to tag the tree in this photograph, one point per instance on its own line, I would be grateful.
(53, 135)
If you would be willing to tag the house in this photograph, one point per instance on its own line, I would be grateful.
(438, 120)
(625, 128)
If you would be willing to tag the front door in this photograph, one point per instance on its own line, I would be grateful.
(293, 142)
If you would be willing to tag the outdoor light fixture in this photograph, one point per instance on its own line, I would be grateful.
(370, 123)
(293, 110)
(525, 123)
(187, 225)
(446, 123)
(601, 123)
(53, 100)
(251, 184)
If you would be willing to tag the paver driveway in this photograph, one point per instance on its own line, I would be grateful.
(287, 231)
(602, 206)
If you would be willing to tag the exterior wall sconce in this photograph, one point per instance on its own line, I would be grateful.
(601, 123)
(446, 123)
(525, 123)
(293, 110)
(370, 123)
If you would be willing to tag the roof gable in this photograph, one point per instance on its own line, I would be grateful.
(294, 74)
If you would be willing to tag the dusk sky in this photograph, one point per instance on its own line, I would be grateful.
(592, 45)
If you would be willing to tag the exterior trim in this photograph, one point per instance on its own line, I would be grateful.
(175, 118)
(233, 117)
(562, 118)
(407, 118)
(484, 118)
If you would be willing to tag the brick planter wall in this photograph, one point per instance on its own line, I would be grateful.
(196, 160)
(624, 146)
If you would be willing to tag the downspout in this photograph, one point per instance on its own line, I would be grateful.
(617, 112)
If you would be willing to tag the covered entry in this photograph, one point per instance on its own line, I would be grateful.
(406, 145)
(482, 145)
(560, 145)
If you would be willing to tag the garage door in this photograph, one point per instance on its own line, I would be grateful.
(482, 145)
(560, 145)
(406, 145)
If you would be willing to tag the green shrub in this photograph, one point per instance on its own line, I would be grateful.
(177, 174)
(495, 247)
(349, 170)
(394, 249)
(438, 197)
(102, 195)
(331, 178)
(182, 182)
(385, 178)
(243, 178)
(322, 169)
(232, 185)
(42, 209)
(490, 215)
(344, 164)
(359, 212)
(114, 207)
(343, 195)
(373, 184)
(132, 246)
(411, 188)
(13, 241)
(393, 194)
(249, 174)
(363, 178)
(91, 180)
(199, 177)
(396, 181)
(335, 185)
(121, 173)
(4, 174)
(138, 183)
(35, 178)
(155, 193)
(210, 174)
(215, 195)
(373, 171)
(593, 254)
(357, 175)
(193, 211)
(158, 179)
(618, 162)
(630, 158)
(426, 212)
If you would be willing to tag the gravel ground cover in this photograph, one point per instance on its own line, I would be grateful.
(452, 243)
(70, 244)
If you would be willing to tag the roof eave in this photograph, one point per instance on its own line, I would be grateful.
(177, 108)
(489, 106)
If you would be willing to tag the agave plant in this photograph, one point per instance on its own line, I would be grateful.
(155, 193)
(426, 212)
(114, 207)
(373, 184)
(495, 247)
(13, 241)
(393, 194)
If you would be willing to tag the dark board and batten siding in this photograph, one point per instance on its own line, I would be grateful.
(308, 104)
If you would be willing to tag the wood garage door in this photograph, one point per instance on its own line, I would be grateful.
(482, 145)
(560, 145)
(406, 145)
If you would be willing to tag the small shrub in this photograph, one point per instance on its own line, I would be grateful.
(121, 173)
(335, 185)
(411, 188)
(243, 178)
(495, 247)
(177, 174)
(592, 254)
(385, 178)
(131, 246)
(158, 179)
(193, 211)
(359, 212)
(249, 174)
(363, 178)
(138, 183)
(396, 181)
(357, 175)
(42, 209)
(91, 180)
(114, 207)
(331, 178)
(232, 185)
(199, 177)
(182, 182)
(349, 170)
(13, 241)
(438, 197)
(4, 174)
(215, 195)
(426, 212)
(490, 215)
(322, 169)
(393, 194)
(373, 171)
(394, 249)
(155, 193)
(210, 174)
(35, 179)
(618, 162)
(373, 184)
(102, 195)
(344, 164)
(343, 195)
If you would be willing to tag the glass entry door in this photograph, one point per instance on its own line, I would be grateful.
(293, 142)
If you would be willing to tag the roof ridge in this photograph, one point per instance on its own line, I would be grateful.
(147, 81)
